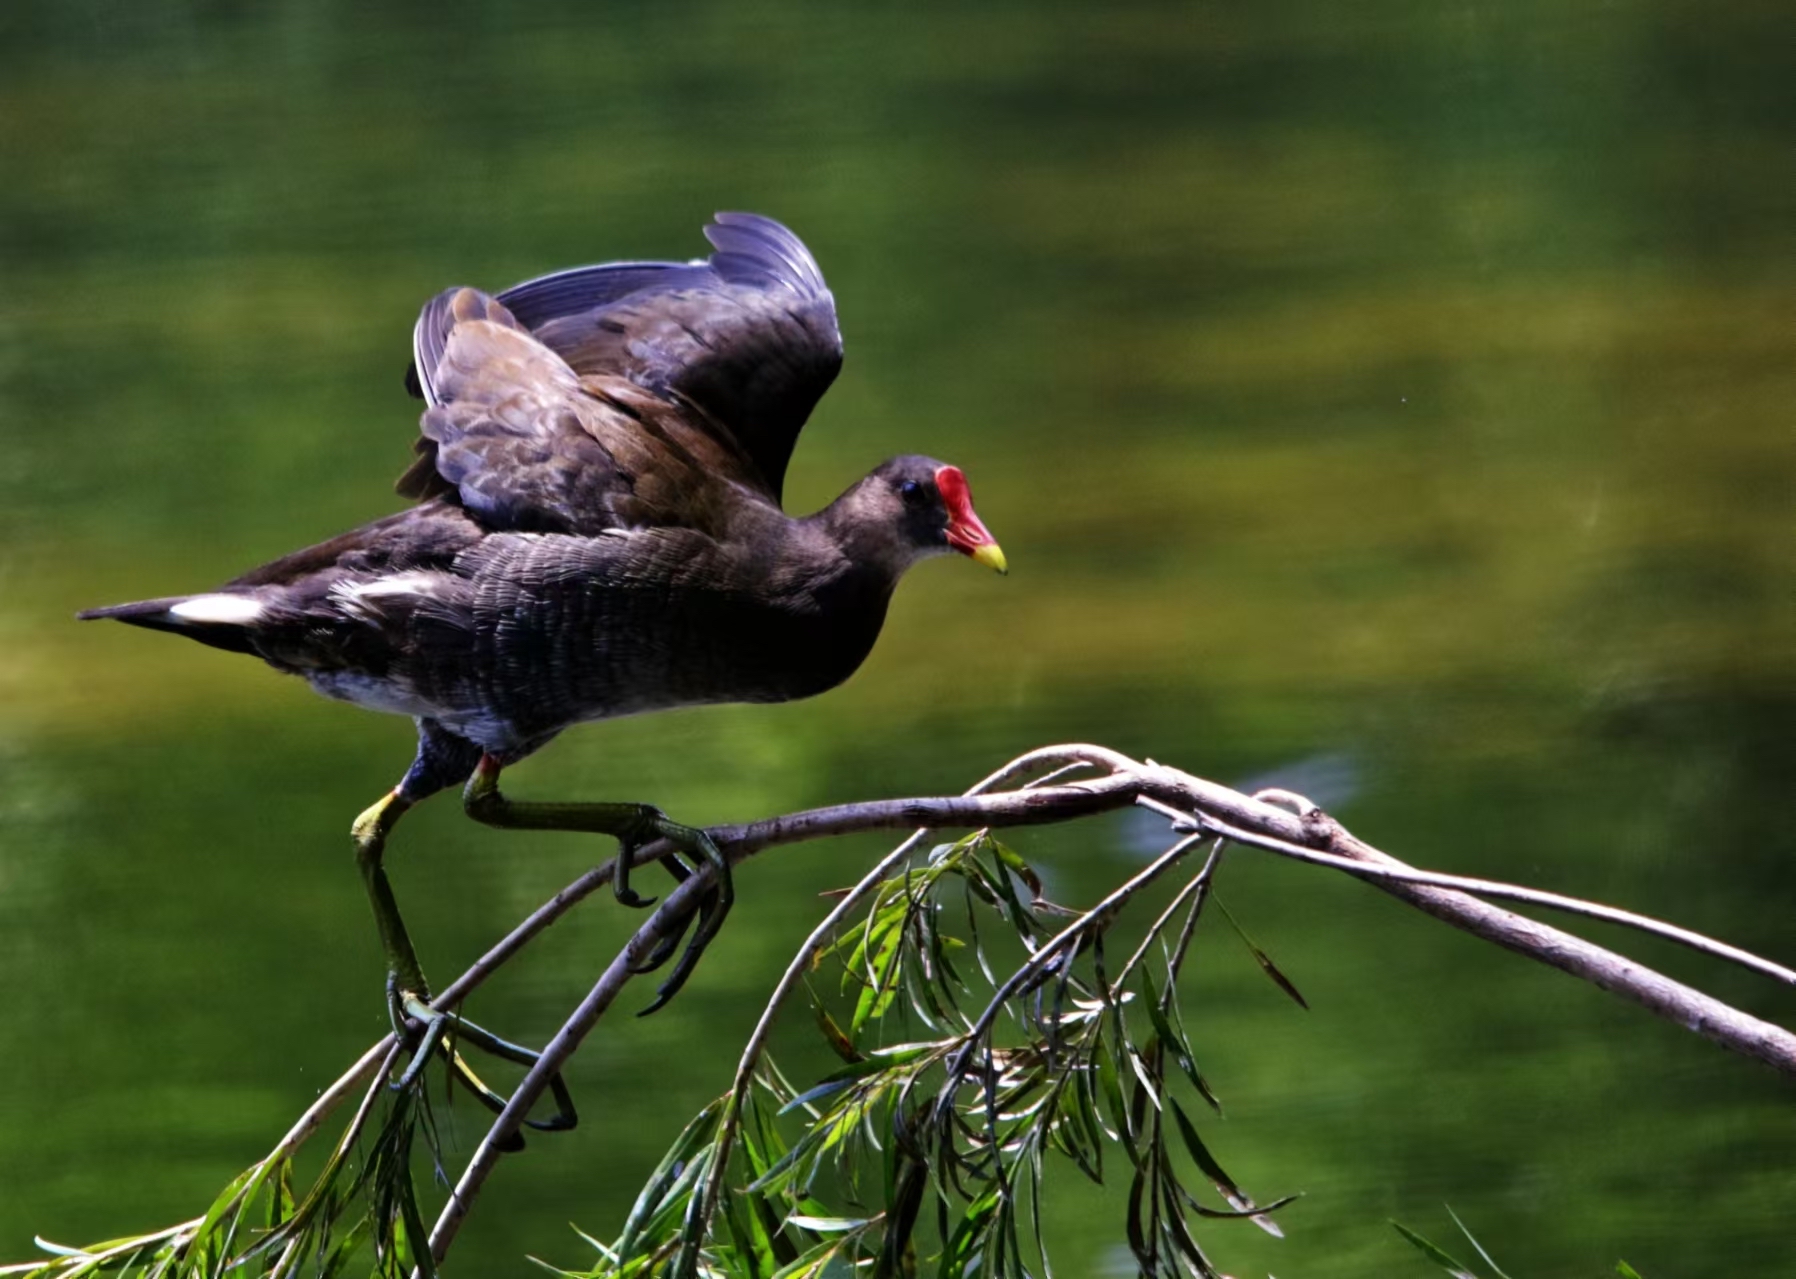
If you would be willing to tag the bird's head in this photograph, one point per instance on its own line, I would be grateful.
(919, 507)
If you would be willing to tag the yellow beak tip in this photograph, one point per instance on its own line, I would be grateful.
(991, 556)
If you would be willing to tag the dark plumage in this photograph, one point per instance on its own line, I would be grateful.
(598, 528)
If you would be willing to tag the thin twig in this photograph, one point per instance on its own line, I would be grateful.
(331, 1098)
(1395, 871)
(554, 1056)
(1198, 883)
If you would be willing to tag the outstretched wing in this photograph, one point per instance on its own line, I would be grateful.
(528, 444)
(743, 344)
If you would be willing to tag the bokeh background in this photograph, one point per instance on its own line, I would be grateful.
(1392, 399)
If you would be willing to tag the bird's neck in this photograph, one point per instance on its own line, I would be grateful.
(868, 546)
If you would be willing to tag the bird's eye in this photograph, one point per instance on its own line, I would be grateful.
(911, 492)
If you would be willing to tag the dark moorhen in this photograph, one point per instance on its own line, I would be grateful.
(597, 533)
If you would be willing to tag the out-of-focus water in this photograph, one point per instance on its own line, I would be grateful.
(1396, 393)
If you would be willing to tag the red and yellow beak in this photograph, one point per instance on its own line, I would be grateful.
(966, 531)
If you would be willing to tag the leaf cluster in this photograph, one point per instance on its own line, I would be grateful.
(362, 1206)
(959, 1090)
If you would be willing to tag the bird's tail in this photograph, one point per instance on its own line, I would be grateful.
(221, 619)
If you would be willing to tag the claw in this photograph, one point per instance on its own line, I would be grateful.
(620, 877)
(706, 915)
(434, 1039)
(665, 948)
(430, 1039)
(710, 912)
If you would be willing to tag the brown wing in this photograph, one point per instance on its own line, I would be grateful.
(747, 337)
(528, 444)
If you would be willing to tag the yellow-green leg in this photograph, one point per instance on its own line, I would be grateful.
(405, 977)
(632, 825)
(408, 993)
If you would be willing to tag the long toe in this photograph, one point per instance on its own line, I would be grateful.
(709, 915)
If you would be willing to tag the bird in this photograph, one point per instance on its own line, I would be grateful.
(596, 531)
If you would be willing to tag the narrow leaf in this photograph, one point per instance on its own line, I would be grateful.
(835, 1036)
(1201, 1155)
(1488, 1259)
(1261, 958)
(1435, 1254)
(1017, 866)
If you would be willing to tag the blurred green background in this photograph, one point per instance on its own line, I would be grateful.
(1392, 400)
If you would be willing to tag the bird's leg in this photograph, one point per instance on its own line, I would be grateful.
(632, 825)
(404, 974)
(408, 993)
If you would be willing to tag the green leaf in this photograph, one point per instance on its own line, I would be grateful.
(813, 1264)
(876, 996)
(1193, 1074)
(1225, 1185)
(1236, 1214)
(1110, 1080)
(1152, 1085)
(1471, 1239)
(1005, 889)
(828, 1225)
(834, 1035)
(1080, 1127)
(753, 1245)
(1172, 1036)
(1435, 1254)
(876, 1062)
(667, 1175)
(674, 1218)
(964, 1245)
(1017, 866)
(337, 1260)
(1263, 959)
(1173, 1225)
(1138, 1242)
(776, 1177)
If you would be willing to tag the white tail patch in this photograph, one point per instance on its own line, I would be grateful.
(218, 610)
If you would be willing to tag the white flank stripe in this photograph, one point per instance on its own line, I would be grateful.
(362, 600)
(218, 610)
(416, 582)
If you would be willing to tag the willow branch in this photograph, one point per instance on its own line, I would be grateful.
(1049, 953)
(1193, 804)
(807, 953)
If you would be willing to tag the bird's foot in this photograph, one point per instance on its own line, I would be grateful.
(632, 825)
(432, 1032)
(704, 919)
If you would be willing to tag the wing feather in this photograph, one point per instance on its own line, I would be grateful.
(741, 345)
(527, 444)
